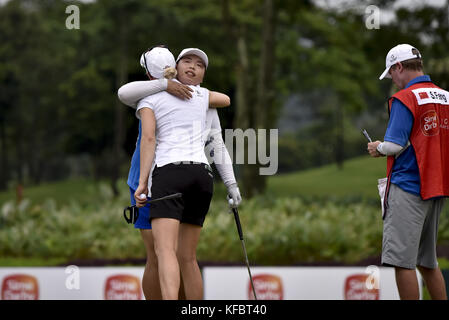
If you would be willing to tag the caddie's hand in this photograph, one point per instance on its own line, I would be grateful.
(234, 194)
(372, 149)
(179, 90)
(141, 201)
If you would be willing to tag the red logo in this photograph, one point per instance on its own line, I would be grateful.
(430, 124)
(267, 287)
(356, 288)
(423, 95)
(122, 287)
(20, 287)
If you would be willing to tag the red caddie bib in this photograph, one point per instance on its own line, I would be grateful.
(429, 137)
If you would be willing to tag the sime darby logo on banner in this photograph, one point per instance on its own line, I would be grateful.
(356, 288)
(20, 287)
(267, 287)
(122, 287)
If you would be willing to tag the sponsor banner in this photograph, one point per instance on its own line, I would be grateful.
(122, 287)
(301, 283)
(356, 288)
(220, 283)
(20, 287)
(267, 287)
(71, 283)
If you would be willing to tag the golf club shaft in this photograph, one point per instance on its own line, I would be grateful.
(249, 270)
(170, 196)
(239, 229)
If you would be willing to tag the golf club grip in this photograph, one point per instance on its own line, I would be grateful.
(171, 196)
(128, 219)
(237, 222)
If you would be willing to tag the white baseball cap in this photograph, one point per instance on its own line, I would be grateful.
(195, 51)
(157, 60)
(397, 54)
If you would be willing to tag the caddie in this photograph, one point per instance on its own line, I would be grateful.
(417, 146)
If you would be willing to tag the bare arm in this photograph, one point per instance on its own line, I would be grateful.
(218, 100)
(147, 149)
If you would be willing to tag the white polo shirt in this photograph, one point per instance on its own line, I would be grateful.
(180, 125)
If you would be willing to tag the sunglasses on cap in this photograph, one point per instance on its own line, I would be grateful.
(148, 50)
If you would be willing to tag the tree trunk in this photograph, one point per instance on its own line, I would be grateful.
(264, 115)
(243, 113)
(339, 136)
(447, 13)
(4, 170)
(242, 117)
(20, 162)
(254, 111)
(119, 126)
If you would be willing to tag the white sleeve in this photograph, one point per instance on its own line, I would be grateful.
(132, 92)
(144, 103)
(389, 148)
(219, 154)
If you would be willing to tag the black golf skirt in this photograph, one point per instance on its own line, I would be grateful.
(194, 180)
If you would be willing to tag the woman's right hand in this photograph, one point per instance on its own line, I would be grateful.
(179, 90)
(372, 149)
(141, 190)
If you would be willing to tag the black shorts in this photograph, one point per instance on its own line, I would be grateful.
(193, 180)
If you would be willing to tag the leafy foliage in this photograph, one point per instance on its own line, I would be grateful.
(282, 230)
(287, 231)
(58, 86)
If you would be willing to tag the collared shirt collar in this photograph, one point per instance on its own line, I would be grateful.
(423, 78)
(193, 85)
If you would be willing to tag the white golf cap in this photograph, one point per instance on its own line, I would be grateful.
(397, 54)
(195, 51)
(157, 60)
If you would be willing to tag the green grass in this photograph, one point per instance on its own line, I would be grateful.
(30, 262)
(63, 192)
(74, 200)
(358, 178)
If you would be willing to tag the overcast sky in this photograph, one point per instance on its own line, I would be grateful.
(385, 15)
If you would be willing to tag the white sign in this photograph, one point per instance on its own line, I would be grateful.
(220, 283)
(301, 283)
(71, 283)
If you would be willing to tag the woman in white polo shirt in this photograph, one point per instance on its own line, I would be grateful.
(181, 166)
(159, 64)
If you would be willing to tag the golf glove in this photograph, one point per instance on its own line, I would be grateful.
(234, 194)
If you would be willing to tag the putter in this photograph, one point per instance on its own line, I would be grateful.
(134, 211)
(239, 229)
